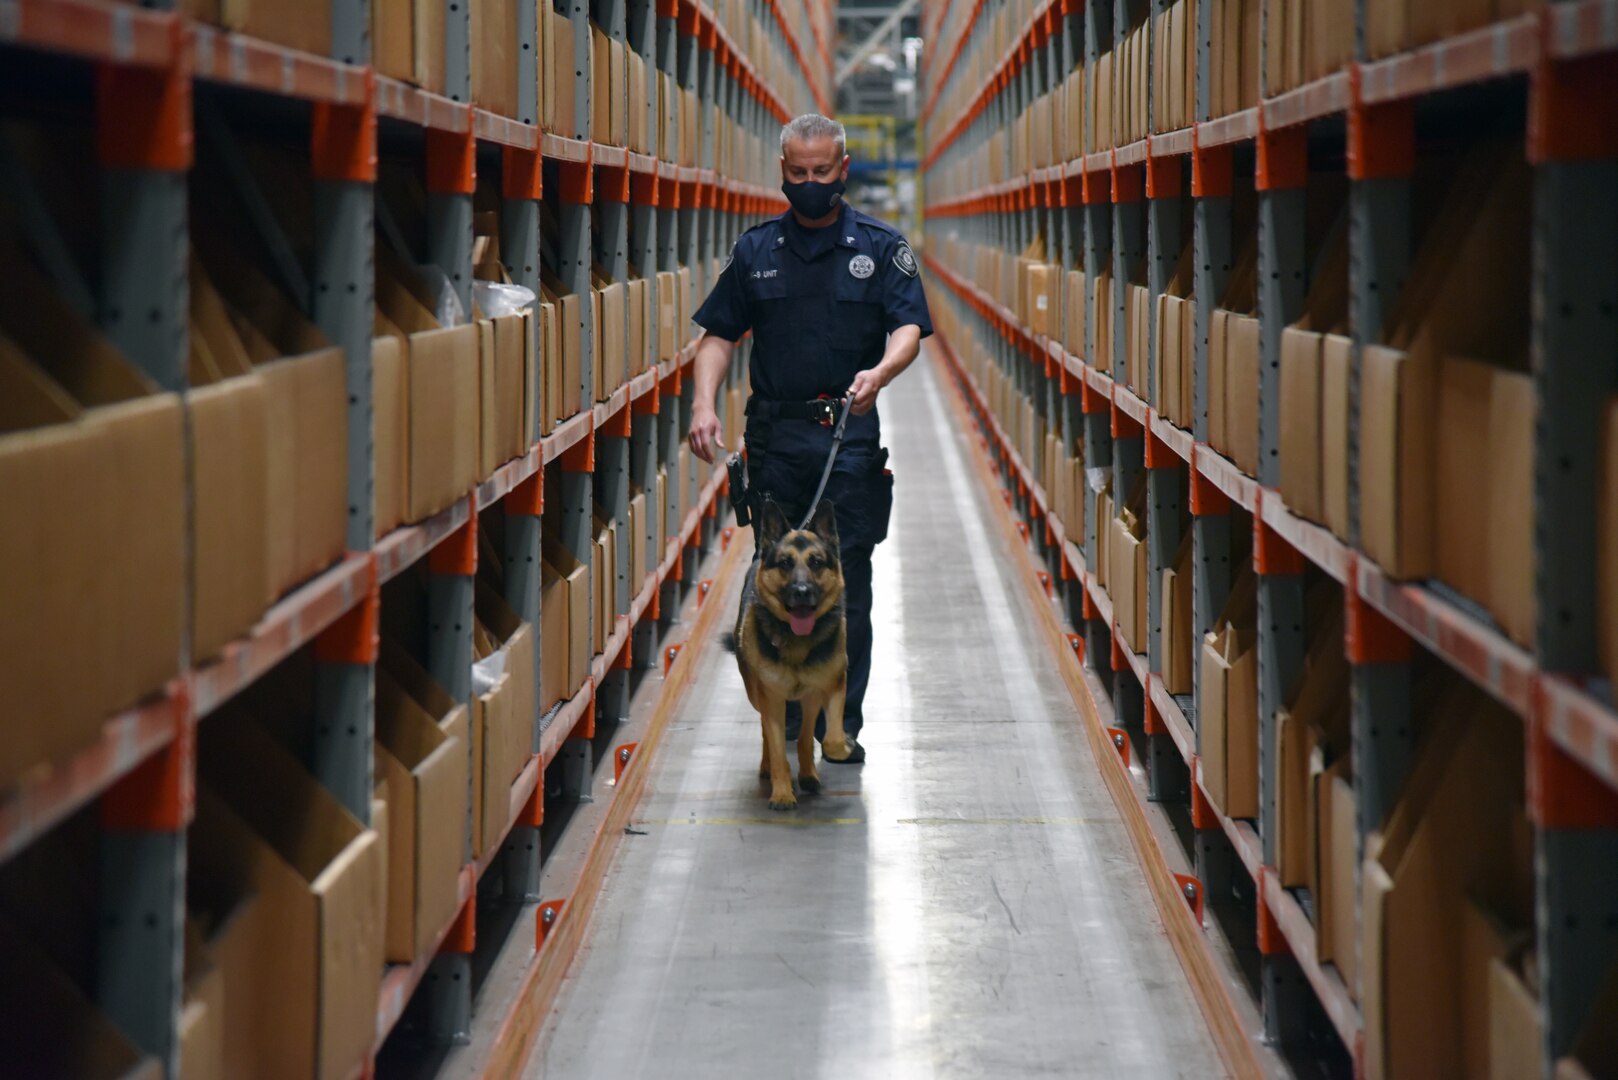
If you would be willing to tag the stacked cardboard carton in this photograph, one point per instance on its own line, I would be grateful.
(1447, 391)
(1227, 707)
(1448, 898)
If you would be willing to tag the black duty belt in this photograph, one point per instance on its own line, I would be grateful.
(831, 412)
(822, 411)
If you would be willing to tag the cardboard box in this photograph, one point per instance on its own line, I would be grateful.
(429, 24)
(502, 369)
(1241, 391)
(425, 765)
(230, 507)
(1510, 526)
(1043, 299)
(1075, 317)
(393, 39)
(307, 417)
(1227, 714)
(1127, 584)
(1335, 928)
(1300, 417)
(580, 609)
(1217, 412)
(618, 93)
(1228, 718)
(563, 107)
(638, 126)
(503, 712)
(600, 93)
(202, 1014)
(104, 533)
(1459, 824)
(1396, 454)
(611, 303)
(444, 403)
(304, 25)
(301, 989)
(639, 353)
(600, 587)
(1336, 373)
(1177, 629)
(1329, 36)
(668, 297)
(1516, 1037)
(553, 637)
(390, 398)
(306, 407)
(495, 45)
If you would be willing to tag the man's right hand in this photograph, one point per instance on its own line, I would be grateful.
(705, 432)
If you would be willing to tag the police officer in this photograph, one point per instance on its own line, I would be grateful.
(834, 300)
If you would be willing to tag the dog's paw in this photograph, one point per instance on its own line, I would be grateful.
(784, 802)
(834, 750)
(809, 785)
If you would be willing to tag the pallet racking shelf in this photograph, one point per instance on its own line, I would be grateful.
(1123, 209)
(1470, 646)
(619, 207)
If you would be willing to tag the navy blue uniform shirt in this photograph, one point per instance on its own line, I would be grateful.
(820, 304)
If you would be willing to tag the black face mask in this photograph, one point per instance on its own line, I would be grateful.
(814, 201)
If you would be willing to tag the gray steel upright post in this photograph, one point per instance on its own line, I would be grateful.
(143, 309)
(1575, 339)
(1282, 282)
(447, 989)
(1383, 732)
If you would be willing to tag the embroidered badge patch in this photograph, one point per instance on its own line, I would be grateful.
(905, 259)
(861, 266)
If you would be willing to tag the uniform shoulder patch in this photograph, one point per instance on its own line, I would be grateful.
(905, 259)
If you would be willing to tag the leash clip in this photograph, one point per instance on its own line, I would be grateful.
(826, 409)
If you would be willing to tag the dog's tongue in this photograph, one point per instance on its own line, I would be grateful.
(803, 623)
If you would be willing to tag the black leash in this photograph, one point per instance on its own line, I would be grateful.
(831, 459)
(741, 492)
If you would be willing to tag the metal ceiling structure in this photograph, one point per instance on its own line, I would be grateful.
(877, 61)
(877, 57)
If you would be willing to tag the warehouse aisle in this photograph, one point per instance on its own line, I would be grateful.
(965, 905)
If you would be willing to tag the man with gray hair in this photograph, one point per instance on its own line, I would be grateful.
(835, 303)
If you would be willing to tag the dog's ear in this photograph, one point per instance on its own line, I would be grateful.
(772, 524)
(824, 524)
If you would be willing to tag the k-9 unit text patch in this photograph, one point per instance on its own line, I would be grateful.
(861, 266)
(905, 260)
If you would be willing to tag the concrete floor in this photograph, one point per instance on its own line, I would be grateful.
(966, 904)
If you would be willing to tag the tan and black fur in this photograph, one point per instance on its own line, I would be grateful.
(796, 569)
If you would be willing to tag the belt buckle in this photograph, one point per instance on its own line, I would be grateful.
(825, 410)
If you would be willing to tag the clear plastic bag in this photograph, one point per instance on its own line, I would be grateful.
(487, 673)
(448, 310)
(496, 300)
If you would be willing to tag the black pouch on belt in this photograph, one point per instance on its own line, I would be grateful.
(741, 495)
(882, 491)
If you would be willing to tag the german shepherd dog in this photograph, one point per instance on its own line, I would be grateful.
(791, 643)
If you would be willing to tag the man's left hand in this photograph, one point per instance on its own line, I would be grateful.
(867, 384)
